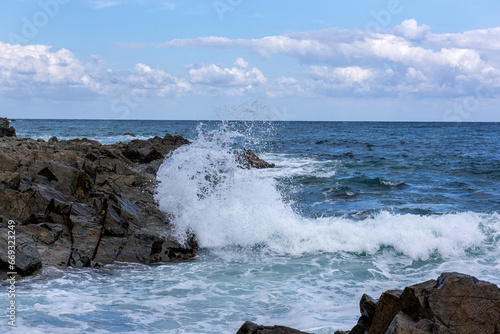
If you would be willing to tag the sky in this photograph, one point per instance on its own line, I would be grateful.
(344, 60)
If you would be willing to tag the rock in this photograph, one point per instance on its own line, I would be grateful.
(5, 129)
(251, 328)
(454, 303)
(79, 203)
(129, 134)
(27, 258)
(387, 308)
(402, 324)
(247, 159)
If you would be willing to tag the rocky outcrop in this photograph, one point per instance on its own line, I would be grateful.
(5, 129)
(82, 204)
(455, 303)
(248, 159)
(251, 328)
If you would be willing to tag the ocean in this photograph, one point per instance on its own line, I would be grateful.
(350, 208)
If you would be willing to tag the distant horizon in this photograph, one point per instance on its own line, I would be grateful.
(240, 120)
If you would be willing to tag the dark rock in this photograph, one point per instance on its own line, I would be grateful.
(251, 328)
(248, 159)
(27, 258)
(84, 204)
(5, 129)
(367, 306)
(454, 303)
(129, 134)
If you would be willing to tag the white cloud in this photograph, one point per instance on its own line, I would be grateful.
(238, 78)
(450, 63)
(36, 70)
(410, 30)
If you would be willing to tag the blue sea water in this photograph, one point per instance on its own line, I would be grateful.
(351, 208)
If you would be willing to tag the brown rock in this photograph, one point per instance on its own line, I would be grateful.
(454, 303)
(82, 204)
(465, 304)
(387, 308)
(402, 324)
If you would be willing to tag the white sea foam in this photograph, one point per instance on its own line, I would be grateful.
(224, 205)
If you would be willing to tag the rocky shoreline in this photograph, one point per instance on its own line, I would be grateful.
(83, 204)
(454, 303)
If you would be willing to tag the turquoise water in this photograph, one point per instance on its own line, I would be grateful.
(350, 208)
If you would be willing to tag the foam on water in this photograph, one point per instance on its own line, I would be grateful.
(224, 205)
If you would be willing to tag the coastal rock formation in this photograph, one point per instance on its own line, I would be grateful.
(248, 159)
(251, 328)
(455, 303)
(5, 129)
(82, 204)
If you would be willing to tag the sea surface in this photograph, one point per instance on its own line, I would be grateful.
(351, 208)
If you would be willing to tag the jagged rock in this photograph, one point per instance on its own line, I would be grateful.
(80, 203)
(453, 304)
(251, 328)
(5, 129)
(247, 159)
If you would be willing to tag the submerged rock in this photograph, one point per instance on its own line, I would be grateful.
(82, 204)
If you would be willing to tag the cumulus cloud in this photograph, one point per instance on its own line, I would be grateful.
(421, 62)
(237, 79)
(34, 68)
(37, 70)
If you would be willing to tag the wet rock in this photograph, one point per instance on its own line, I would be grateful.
(251, 328)
(454, 303)
(248, 159)
(79, 203)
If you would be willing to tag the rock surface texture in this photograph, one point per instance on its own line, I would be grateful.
(455, 303)
(82, 204)
(5, 129)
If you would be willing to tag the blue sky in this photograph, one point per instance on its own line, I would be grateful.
(343, 60)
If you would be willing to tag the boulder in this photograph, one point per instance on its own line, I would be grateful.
(248, 159)
(5, 129)
(455, 303)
